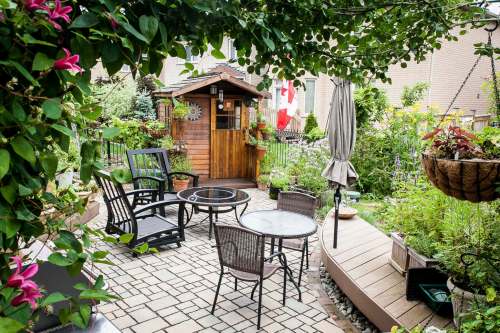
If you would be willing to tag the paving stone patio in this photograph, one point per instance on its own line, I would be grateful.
(172, 291)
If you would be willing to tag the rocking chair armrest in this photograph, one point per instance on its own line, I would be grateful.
(134, 192)
(159, 204)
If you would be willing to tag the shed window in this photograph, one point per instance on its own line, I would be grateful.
(228, 114)
(310, 94)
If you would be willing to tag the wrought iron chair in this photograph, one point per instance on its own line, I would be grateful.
(143, 223)
(241, 251)
(300, 203)
(150, 166)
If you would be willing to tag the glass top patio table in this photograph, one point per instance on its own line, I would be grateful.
(279, 223)
(214, 196)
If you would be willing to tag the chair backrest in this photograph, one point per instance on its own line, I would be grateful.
(148, 162)
(297, 202)
(239, 248)
(120, 213)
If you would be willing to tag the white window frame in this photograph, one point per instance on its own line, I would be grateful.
(307, 92)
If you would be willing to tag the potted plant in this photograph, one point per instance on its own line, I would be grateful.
(261, 149)
(278, 181)
(462, 166)
(179, 113)
(180, 163)
(399, 253)
(267, 132)
(261, 121)
(263, 182)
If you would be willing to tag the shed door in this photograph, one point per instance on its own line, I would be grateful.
(228, 151)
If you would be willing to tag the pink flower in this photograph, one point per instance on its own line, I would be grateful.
(58, 12)
(34, 4)
(68, 62)
(29, 295)
(114, 24)
(18, 278)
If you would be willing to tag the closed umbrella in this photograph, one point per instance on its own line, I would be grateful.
(341, 129)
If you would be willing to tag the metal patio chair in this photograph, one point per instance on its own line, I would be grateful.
(300, 203)
(143, 223)
(241, 251)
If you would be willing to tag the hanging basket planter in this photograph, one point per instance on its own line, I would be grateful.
(474, 180)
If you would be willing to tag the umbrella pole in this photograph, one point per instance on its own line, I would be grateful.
(336, 199)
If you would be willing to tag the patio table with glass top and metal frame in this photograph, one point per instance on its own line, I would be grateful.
(275, 223)
(218, 200)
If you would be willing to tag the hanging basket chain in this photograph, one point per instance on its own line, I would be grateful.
(494, 74)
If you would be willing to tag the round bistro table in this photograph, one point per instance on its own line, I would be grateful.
(280, 224)
(216, 199)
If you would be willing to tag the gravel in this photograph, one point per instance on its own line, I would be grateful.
(344, 304)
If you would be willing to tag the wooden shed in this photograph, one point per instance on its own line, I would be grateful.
(215, 135)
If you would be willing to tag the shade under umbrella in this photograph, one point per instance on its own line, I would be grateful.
(342, 138)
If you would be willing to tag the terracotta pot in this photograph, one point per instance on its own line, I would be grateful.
(180, 184)
(461, 300)
(399, 255)
(472, 180)
(261, 126)
(262, 186)
(261, 152)
(416, 260)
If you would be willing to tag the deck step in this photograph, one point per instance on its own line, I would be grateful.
(239, 183)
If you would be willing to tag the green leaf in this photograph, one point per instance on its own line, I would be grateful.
(42, 62)
(52, 108)
(126, 238)
(49, 163)
(53, 298)
(85, 312)
(99, 282)
(86, 20)
(163, 34)
(18, 111)
(91, 111)
(63, 129)
(67, 241)
(218, 54)
(148, 26)
(58, 259)
(9, 192)
(269, 42)
(21, 70)
(100, 254)
(134, 32)
(100, 295)
(143, 248)
(9, 227)
(4, 162)
(180, 50)
(490, 294)
(23, 148)
(24, 191)
(9, 325)
(110, 132)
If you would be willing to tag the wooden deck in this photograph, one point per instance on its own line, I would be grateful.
(229, 182)
(360, 268)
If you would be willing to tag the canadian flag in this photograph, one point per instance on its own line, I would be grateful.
(288, 104)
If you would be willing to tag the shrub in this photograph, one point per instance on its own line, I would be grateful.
(180, 163)
(414, 94)
(146, 83)
(181, 109)
(116, 99)
(315, 134)
(311, 123)
(370, 104)
(144, 108)
(132, 134)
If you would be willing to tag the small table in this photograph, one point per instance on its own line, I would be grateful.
(215, 198)
(280, 224)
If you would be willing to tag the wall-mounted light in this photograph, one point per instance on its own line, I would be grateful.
(213, 90)
(221, 95)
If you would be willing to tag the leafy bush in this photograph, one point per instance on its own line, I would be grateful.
(167, 142)
(181, 109)
(116, 99)
(144, 108)
(279, 179)
(132, 134)
(370, 103)
(414, 94)
(311, 123)
(489, 140)
(315, 134)
(146, 83)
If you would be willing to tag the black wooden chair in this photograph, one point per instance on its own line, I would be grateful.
(143, 223)
(301, 203)
(242, 252)
(150, 169)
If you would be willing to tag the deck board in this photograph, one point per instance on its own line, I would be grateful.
(360, 267)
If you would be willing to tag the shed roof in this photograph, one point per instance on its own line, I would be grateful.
(205, 80)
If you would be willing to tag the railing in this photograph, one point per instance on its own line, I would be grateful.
(278, 153)
(113, 153)
(271, 116)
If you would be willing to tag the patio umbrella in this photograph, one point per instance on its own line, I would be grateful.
(341, 129)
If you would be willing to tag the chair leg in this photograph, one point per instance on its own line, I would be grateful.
(272, 249)
(260, 304)
(235, 284)
(284, 283)
(253, 289)
(307, 253)
(217, 292)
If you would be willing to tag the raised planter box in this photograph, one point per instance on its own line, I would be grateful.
(416, 260)
(399, 255)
